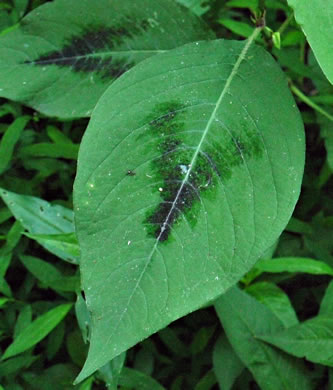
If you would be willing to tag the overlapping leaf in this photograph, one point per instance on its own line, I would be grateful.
(311, 339)
(316, 20)
(244, 319)
(65, 54)
(52, 226)
(187, 173)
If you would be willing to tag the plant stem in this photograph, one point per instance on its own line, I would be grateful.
(285, 24)
(309, 102)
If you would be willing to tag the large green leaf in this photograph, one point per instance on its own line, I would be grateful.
(187, 174)
(316, 20)
(65, 54)
(244, 319)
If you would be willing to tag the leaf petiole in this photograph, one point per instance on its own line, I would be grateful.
(305, 99)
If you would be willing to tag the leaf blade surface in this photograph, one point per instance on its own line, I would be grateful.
(64, 55)
(166, 197)
(316, 20)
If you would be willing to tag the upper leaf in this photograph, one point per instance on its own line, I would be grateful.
(65, 54)
(187, 174)
(316, 20)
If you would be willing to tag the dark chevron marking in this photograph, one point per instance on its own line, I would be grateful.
(83, 52)
(214, 164)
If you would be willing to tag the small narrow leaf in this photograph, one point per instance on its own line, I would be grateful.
(326, 306)
(294, 264)
(316, 19)
(9, 140)
(227, 365)
(37, 330)
(187, 174)
(64, 55)
(111, 371)
(23, 320)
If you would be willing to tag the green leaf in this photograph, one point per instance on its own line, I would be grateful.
(13, 237)
(227, 365)
(55, 340)
(199, 7)
(294, 264)
(57, 377)
(239, 28)
(276, 299)
(171, 340)
(37, 215)
(111, 371)
(49, 275)
(311, 339)
(326, 132)
(16, 365)
(23, 320)
(87, 384)
(9, 140)
(201, 339)
(76, 348)
(41, 217)
(64, 55)
(3, 301)
(253, 4)
(83, 317)
(47, 149)
(184, 180)
(37, 330)
(297, 226)
(207, 381)
(326, 306)
(65, 245)
(316, 19)
(244, 319)
(138, 380)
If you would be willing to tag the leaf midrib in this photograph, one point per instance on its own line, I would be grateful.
(234, 71)
(98, 54)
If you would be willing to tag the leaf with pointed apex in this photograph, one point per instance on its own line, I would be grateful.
(64, 55)
(187, 174)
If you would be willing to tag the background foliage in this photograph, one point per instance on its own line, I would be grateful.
(272, 331)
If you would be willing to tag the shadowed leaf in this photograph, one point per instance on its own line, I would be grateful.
(65, 54)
